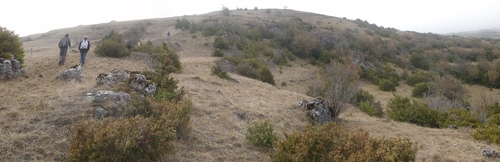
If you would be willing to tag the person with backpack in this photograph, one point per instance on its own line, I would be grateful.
(84, 48)
(63, 48)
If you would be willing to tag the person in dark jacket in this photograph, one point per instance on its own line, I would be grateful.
(84, 47)
(63, 48)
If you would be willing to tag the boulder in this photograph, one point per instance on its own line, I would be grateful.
(72, 74)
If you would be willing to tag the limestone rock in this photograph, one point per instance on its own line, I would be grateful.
(490, 153)
(317, 110)
(72, 74)
(142, 85)
(9, 69)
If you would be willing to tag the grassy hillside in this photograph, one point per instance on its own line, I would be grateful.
(485, 33)
(294, 46)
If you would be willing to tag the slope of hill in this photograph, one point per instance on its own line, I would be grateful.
(38, 111)
(485, 33)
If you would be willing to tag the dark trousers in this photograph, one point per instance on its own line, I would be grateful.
(62, 55)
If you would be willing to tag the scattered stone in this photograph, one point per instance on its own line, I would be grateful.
(452, 126)
(72, 74)
(490, 153)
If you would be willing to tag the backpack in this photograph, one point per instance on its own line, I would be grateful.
(63, 43)
(84, 45)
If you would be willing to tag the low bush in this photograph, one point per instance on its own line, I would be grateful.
(265, 75)
(461, 118)
(416, 78)
(371, 108)
(183, 24)
(488, 132)
(220, 43)
(218, 53)
(112, 45)
(362, 96)
(405, 110)
(261, 133)
(132, 139)
(11, 45)
(420, 90)
(218, 71)
(331, 142)
(494, 119)
(386, 85)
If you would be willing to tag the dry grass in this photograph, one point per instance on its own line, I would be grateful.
(37, 111)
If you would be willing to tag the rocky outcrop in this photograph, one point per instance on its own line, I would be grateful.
(9, 69)
(72, 74)
(109, 103)
(114, 77)
(142, 85)
(136, 81)
(317, 110)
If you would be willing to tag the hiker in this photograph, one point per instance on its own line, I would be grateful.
(139, 44)
(84, 48)
(63, 48)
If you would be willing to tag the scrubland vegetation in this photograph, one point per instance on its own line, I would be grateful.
(437, 68)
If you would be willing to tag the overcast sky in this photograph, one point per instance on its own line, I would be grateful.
(26, 17)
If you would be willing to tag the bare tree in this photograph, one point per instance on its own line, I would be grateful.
(340, 86)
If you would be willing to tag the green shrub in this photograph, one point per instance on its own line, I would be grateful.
(494, 119)
(386, 85)
(209, 31)
(10, 44)
(330, 142)
(372, 109)
(220, 43)
(419, 61)
(405, 110)
(362, 96)
(461, 118)
(420, 89)
(218, 71)
(416, 78)
(265, 75)
(494, 109)
(112, 45)
(261, 133)
(218, 53)
(488, 132)
(129, 139)
(183, 24)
